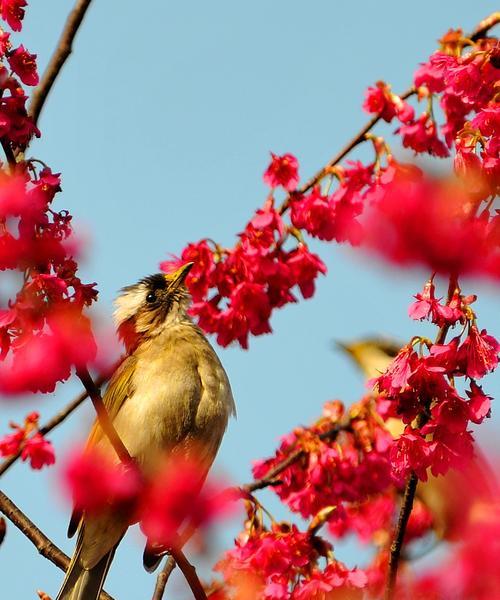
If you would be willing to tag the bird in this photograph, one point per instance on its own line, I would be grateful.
(170, 394)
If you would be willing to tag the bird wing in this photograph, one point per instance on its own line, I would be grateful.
(119, 389)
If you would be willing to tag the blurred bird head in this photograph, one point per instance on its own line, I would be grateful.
(371, 355)
(146, 307)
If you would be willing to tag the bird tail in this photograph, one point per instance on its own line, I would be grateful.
(85, 584)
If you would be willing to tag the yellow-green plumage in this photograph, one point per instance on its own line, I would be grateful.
(171, 394)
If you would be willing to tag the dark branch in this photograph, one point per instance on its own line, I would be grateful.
(189, 573)
(41, 542)
(59, 57)
(102, 415)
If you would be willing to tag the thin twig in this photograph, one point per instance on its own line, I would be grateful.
(42, 543)
(189, 573)
(162, 578)
(59, 57)
(102, 415)
(57, 419)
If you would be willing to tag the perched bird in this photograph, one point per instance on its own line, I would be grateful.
(169, 395)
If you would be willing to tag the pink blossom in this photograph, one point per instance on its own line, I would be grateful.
(421, 136)
(283, 171)
(38, 451)
(12, 11)
(478, 355)
(175, 497)
(24, 65)
(95, 482)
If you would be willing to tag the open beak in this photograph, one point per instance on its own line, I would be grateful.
(177, 278)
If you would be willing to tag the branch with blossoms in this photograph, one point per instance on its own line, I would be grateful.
(356, 468)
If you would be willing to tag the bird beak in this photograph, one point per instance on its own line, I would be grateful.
(177, 278)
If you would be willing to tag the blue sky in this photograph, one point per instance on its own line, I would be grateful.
(161, 125)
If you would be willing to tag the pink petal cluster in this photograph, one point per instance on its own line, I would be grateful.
(12, 11)
(43, 331)
(282, 565)
(29, 442)
(381, 101)
(348, 468)
(235, 290)
(97, 482)
(418, 384)
(283, 171)
(416, 220)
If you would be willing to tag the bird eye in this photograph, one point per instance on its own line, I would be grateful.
(151, 297)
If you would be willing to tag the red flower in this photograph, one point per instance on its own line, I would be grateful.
(305, 268)
(12, 11)
(11, 443)
(421, 136)
(479, 404)
(36, 448)
(428, 306)
(24, 65)
(395, 378)
(381, 101)
(249, 311)
(283, 171)
(411, 453)
(175, 497)
(199, 279)
(96, 482)
(38, 451)
(393, 227)
(478, 355)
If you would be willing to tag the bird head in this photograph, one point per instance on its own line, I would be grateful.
(146, 307)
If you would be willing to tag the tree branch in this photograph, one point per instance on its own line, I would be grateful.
(162, 578)
(36, 536)
(189, 573)
(484, 26)
(59, 57)
(102, 415)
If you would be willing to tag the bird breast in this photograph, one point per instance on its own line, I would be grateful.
(180, 392)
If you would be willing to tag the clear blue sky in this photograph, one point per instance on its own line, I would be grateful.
(161, 125)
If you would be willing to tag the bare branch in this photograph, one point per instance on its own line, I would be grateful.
(189, 573)
(36, 536)
(162, 578)
(59, 57)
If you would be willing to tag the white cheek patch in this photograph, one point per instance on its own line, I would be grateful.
(128, 303)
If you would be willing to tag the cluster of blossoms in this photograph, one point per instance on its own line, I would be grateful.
(282, 563)
(235, 290)
(29, 442)
(42, 329)
(420, 388)
(98, 483)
